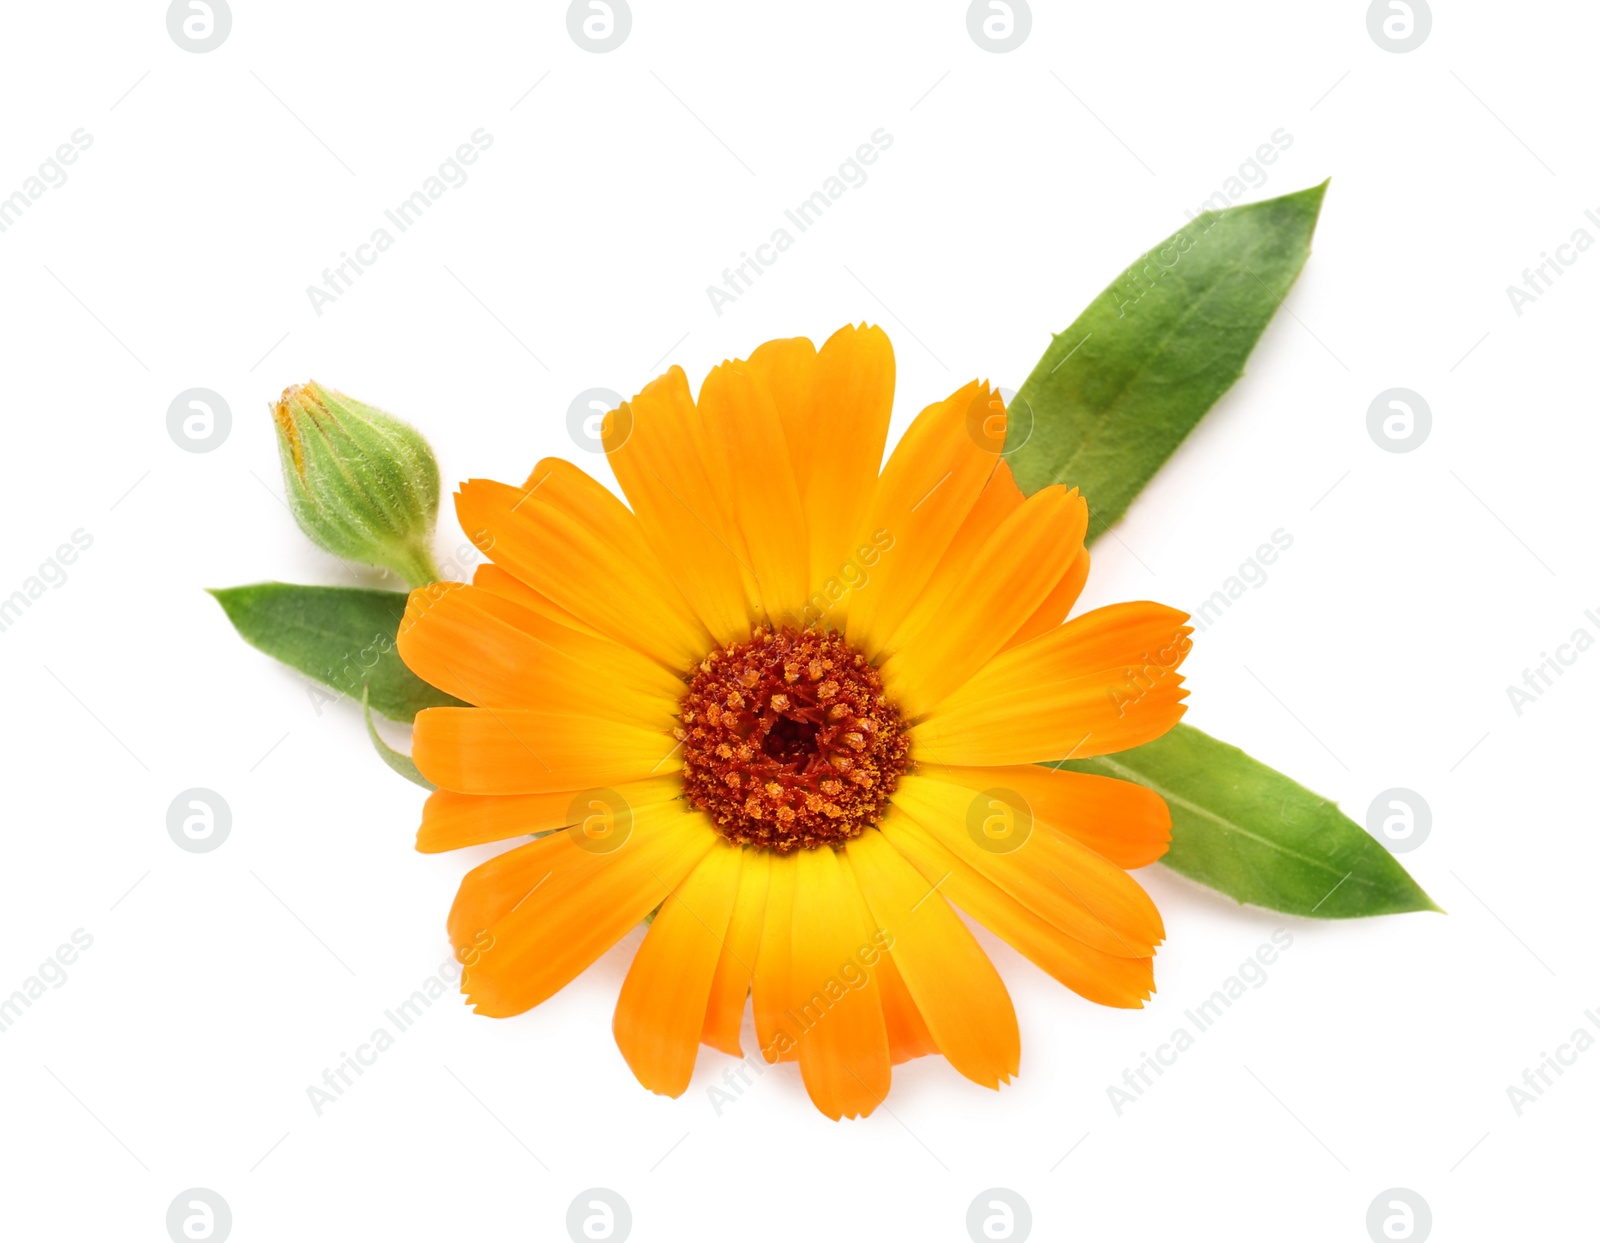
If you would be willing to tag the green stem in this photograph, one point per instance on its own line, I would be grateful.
(416, 565)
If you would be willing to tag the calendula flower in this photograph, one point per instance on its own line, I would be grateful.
(800, 706)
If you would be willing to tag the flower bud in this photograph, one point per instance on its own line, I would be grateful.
(361, 484)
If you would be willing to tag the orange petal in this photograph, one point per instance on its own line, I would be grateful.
(1109, 979)
(787, 369)
(651, 444)
(769, 994)
(508, 586)
(465, 641)
(730, 989)
(573, 542)
(854, 395)
(1058, 603)
(533, 751)
(956, 988)
(1103, 682)
(569, 636)
(742, 427)
(662, 1005)
(527, 922)
(834, 1014)
(908, 1033)
(451, 821)
(1054, 876)
(999, 499)
(1127, 823)
(999, 588)
(928, 487)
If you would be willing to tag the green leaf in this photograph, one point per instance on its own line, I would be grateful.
(1118, 391)
(1112, 398)
(1240, 827)
(397, 760)
(341, 636)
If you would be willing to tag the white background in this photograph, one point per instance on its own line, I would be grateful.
(1377, 654)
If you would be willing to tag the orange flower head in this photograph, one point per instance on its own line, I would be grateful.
(802, 709)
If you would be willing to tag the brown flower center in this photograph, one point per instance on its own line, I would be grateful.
(789, 741)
